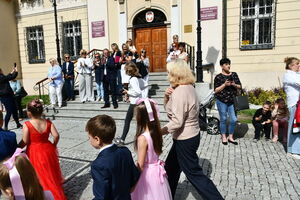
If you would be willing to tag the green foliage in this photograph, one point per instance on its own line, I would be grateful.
(258, 96)
(27, 99)
(245, 116)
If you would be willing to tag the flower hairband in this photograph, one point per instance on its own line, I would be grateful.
(14, 175)
(148, 107)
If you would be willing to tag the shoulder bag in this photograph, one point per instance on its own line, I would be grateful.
(241, 101)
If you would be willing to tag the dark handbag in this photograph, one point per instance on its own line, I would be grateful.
(241, 102)
(22, 93)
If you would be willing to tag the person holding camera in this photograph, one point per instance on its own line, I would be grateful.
(7, 97)
(174, 52)
(226, 85)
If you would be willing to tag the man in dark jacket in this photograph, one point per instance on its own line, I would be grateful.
(109, 79)
(7, 97)
(68, 71)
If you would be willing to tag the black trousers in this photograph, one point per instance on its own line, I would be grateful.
(183, 157)
(129, 116)
(11, 109)
(19, 106)
(110, 84)
(259, 127)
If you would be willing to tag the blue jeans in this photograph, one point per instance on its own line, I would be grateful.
(70, 88)
(100, 90)
(293, 142)
(225, 110)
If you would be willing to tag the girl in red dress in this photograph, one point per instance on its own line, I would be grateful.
(41, 152)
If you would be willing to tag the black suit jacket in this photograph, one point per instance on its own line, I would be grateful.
(111, 68)
(99, 72)
(5, 89)
(114, 174)
(70, 69)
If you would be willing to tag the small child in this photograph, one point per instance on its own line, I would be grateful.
(153, 183)
(18, 180)
(280, 116)
(262, 121)
(41, 152)
(135, 91)
(113, 171)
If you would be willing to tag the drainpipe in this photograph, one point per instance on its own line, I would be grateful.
(224, 30)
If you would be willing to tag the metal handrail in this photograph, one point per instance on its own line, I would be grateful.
(191, 59)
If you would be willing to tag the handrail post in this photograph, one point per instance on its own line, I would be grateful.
(40, 91)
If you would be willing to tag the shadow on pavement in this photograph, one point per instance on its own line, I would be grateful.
(80, 182)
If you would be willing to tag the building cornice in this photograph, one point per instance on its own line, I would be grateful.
(44, 11)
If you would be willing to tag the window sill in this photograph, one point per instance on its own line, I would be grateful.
(257, 47)
(37, 61)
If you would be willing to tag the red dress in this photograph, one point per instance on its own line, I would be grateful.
(44, 158)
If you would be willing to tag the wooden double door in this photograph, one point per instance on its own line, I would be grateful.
(154, 41)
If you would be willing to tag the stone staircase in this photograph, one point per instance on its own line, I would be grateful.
(77, 110)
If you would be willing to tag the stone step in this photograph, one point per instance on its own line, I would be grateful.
(96, 106)
(158, 99)
(87, 114)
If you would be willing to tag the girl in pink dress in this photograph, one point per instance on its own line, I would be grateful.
(153, 183)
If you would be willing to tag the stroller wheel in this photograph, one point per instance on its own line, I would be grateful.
(213, 126)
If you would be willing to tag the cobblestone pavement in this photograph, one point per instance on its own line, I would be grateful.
(247, 171)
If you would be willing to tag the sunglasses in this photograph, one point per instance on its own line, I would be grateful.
(97, 56)
(67, 57)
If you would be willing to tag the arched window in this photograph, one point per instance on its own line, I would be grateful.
(140, 21)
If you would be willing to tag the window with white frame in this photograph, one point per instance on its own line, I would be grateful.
(257, 24)
(72, 42)
(35, 44)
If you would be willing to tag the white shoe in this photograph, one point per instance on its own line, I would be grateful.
(98, 99)
(296, 156)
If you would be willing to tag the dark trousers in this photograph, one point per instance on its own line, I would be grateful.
(110, 84)
(11, 109)
(128, 119)
(19, 106)
(183, 157)
(259, 127)
(69, 85)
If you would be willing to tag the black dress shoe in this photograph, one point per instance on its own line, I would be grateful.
(116, 106)
(105, 106)
(224, 143)
(233, 142)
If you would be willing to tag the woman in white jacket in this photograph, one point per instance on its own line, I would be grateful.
(291, 84)
(134, 92)
(84, 67)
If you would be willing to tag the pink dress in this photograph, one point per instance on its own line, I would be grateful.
(153, 183)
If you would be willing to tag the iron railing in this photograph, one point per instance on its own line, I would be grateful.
(191, 52)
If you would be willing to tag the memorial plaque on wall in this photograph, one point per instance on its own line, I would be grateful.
(188, 28)
(98, 29)
(209, 13)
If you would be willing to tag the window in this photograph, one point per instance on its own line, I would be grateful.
(35, 44)
(257, 24)
(72, 42)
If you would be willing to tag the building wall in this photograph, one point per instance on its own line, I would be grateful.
(264, 68)
(9, 49)
(43, 15)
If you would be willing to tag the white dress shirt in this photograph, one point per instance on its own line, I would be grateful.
(105, 147)
(82, 69)
(135, 87)
(291, 85)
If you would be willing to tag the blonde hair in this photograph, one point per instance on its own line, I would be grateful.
(180, 73)
(83, 52)
(289, 60)
(31, 185)
(54, 61)
(132, 70)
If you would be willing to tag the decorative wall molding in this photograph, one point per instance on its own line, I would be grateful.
(43, 11)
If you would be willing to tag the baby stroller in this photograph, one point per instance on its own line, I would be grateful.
(209, 123)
